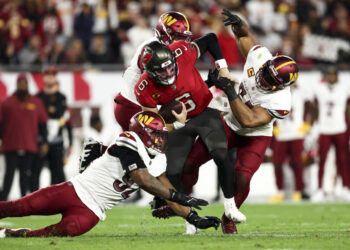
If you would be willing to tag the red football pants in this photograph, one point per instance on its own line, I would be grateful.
(124, 110)
(250, 154)
(340, 141)
(76, 219)
(292, 150)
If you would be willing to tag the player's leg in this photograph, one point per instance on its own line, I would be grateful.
(24, 165)
(124, 110)
(47, 201)
(11, 161)
(279, 149)
(296, 150)
(250, 155)
(56, 163)
(324, 143)
(198, 156)
(76, 219)
(341, 149)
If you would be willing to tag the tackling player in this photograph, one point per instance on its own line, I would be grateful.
(170, 74)
(262, 96)
(122, 169)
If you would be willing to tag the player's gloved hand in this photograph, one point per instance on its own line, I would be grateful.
(203, 222)
(228, 87)
(212, 77)
(231, 19)
(186, 200)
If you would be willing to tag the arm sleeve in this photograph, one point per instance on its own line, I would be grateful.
(129, 159)
(279, 114)
(209, 43)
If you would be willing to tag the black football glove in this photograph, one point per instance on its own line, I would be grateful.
(231, 19)
(212, 77)
(203, 222)
(186, 200)
(228, 87)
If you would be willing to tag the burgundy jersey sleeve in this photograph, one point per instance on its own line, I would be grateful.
(186, 50)
(1, 115)
(43, 116)
(143, 92)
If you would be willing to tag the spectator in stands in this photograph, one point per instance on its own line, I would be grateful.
(50, 25)
(75, 54)
(56, 107)
(21, 116)
(83, 24)
(56, 55)
(30, 53)
(99, 53)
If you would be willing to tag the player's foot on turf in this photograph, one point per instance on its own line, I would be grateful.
(232, 212)
(19, 232)
(345, 195)
(191, 229)
(296, 196)
(92, 150)
(319, 196)
(277, 198)
(228, 225)
(163, 212)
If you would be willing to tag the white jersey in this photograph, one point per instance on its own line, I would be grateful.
(105, 182)
(290, 127)
(278, 103)
(332, 100)
(132, 74)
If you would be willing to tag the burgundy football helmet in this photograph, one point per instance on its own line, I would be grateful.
(277, 73)
(151, 129)
(173, 26)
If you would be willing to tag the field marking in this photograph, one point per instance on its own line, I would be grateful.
(4, 223)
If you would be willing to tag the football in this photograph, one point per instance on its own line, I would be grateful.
(165, 110)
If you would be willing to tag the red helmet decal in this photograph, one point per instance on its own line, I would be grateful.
(146, 56)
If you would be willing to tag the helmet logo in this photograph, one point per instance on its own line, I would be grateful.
(145, 119)
(146, 57)
(293, 76)
(168, 20)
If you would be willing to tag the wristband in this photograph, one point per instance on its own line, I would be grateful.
(178, 125)
(221, 63)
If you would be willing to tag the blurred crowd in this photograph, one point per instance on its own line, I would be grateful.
(108, 31)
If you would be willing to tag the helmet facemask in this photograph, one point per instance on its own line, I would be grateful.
(267, 79)
(166, 74)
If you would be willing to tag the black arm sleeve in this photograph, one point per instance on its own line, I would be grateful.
(42, 133)
(129, 158)
(209, 43)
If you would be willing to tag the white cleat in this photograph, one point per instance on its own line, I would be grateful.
(318, 196)
(232, 212)
(345, 195)
(191, 229)
(2, 233)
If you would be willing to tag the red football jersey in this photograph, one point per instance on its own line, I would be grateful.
(189, 87)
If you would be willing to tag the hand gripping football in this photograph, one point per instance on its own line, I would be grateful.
(165, 110)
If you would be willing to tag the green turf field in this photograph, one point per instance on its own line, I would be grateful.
(303, 226)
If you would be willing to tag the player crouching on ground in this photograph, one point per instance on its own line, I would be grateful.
(120, 171)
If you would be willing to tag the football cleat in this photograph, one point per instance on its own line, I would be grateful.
(277, 198)
(164, 212)
(318, 196)
(92, 150)
(228, 225)
(232, 212)
(296, 196)
(20, 232)
(191, 229)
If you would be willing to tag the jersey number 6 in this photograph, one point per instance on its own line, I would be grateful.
(186, 98)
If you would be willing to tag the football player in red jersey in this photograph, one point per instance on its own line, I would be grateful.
(120, 171)
(170, 75)
(262, 96)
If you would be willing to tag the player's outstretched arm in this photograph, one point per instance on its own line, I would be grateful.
(244, 37)
(153, 186)
(247, 117)
(190, 215)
